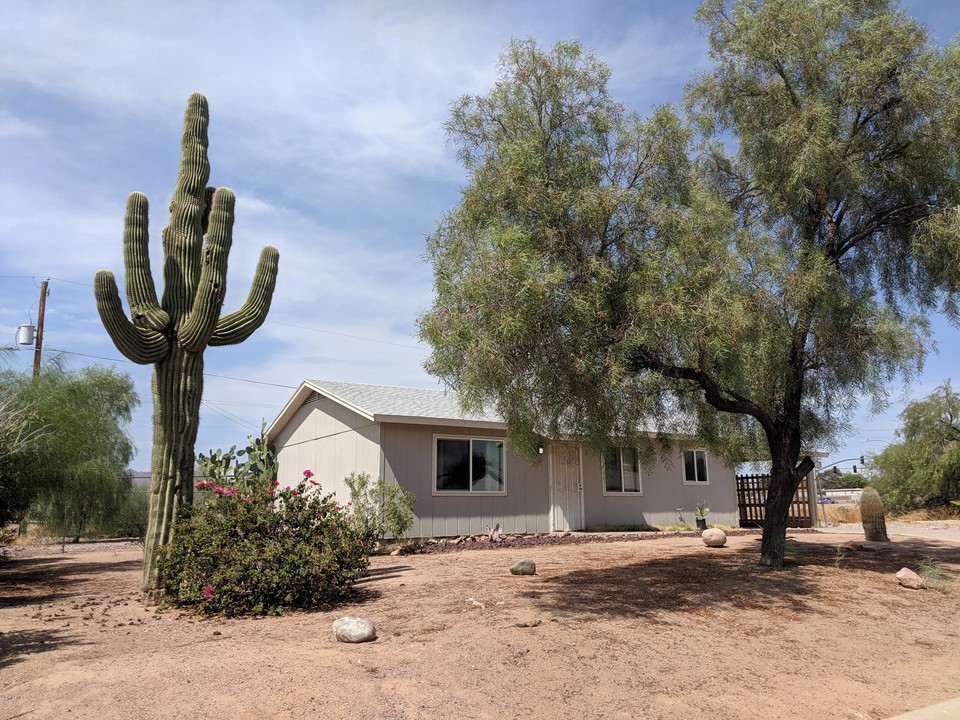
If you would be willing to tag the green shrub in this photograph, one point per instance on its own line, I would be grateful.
(263, 552)
(379, 509)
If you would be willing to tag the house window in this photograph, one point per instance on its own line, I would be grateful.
(621, 469)
(695, 467)
(469, 465)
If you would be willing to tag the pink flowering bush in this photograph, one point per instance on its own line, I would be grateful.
(261, 550)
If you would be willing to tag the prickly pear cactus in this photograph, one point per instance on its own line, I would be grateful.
(872, 516)
(173, 333)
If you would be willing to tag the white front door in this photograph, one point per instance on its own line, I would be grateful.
(566, 487)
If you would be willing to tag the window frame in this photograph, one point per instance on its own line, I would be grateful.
(683, 468)
(621, 492)
(469, 492)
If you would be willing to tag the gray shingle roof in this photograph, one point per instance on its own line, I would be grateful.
(379, 401)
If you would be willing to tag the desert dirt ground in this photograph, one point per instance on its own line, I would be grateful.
(654, 628)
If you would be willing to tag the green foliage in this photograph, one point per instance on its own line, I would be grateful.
(829, 480)
(701, 511)
(73, 469)
(923, 468)
(379, 508)
(262, 553)
(130, 517)
(227, 468)
(933, 575)
(19, 433)
(747, 273)
(172, 332)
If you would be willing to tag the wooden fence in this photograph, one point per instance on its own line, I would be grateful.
(752, 496)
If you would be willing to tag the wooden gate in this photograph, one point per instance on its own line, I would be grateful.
(752, 496)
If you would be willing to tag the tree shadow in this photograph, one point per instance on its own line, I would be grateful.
(17, 644)
(879, 557)
(724, 578)
(36, 580)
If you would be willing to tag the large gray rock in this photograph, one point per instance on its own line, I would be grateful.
(714, 537)
(909, 579)
(354, 630)
(524, 567)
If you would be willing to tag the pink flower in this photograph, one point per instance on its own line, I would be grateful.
(207, 592)
(276, 483)
(208, 484)
(271, 491)
(314, 482)
(295, 492)
(199, 485)
(307, 474)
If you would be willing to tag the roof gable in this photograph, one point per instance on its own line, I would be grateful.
(384, 403)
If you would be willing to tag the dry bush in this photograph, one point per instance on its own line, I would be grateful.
(842, 513)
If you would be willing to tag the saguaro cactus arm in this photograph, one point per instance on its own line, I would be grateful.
(141, 345)
(145, 311)
(212, 284)
(239, 325)
(183, 236)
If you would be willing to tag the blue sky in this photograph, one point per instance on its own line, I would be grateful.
(326, 120)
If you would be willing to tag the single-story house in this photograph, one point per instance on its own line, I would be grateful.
(466, 479)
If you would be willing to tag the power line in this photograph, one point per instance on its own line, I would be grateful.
(206, 374)
(229, 416)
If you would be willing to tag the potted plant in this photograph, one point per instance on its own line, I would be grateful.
(701, 515)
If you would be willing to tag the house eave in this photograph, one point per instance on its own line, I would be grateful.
(447, 422)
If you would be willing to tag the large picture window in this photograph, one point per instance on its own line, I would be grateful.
(695, 467)
(621, 469)
(469, 465)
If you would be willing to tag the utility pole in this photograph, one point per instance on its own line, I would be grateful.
(39, 345)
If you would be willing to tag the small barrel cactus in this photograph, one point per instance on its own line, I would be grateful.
(871, 514)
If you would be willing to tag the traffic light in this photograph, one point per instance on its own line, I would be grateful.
(854, 469)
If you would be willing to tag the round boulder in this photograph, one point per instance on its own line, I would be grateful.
(714, 537)
(524, 567)
(354, 630)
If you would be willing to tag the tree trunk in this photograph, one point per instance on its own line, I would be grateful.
(177, 390)
(785, 476)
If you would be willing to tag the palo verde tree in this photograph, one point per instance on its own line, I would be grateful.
(748, 272)
(72, 471)
(173, 333)
(924, 466)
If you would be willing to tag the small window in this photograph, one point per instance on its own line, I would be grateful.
(695, 467)
(621, 471)
(469, 465)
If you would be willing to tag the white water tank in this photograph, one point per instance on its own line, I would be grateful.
(26, 334)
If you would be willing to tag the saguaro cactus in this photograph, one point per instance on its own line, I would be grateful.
(872, 516)
(173, 333)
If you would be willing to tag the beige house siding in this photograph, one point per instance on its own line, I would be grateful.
(663, 491)
(408, 453)
(334, 429)
(332, 442)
